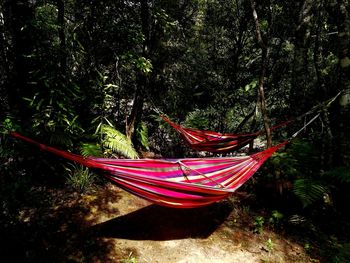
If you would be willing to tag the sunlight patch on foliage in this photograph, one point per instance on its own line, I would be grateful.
(117, 142)
(80, 178)
(142, 135)
(91, 149)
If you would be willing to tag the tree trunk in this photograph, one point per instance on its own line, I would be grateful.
(135, 114)
(18, 17)
(264, 64)
(4, 63)
(301, 74)
(245, 120)
(338, 9)
(142, 83)
(62, 37)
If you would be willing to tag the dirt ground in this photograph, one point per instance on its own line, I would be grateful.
(111, 225)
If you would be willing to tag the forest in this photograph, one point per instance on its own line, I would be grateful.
(103, 79)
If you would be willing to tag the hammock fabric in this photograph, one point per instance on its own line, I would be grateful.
(179, 183)
(210, 141)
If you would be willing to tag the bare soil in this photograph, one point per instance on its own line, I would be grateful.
(110, 225)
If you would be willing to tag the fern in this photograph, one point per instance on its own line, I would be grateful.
(117, 142)
(60, 138)
(341, 174)
(342, 253)
(91, 149)
(307, 157)
(197, 119)
(309, 191)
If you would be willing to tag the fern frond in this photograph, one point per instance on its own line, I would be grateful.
(117, 142)
(60, 138)
(197, 119)
(309, 191)
(341, 174)
(342, 253)
(91, 149)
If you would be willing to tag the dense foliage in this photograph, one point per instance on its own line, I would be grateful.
(92, 76)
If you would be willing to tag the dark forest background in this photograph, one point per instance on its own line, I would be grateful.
(92, 77)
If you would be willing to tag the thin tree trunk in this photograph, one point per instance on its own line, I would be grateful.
(300, 74)
(245, 120)
(18, 19)
(134, 115)
(338, 10)
(327, 150)
(4, 63)
(264, 64)
(61, 36)
(142, 83)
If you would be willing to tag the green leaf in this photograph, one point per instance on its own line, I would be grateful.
(251, 85)
(142, 135)
(91, 149)
(341, 174)
(98, 128)
(117, 142)
(109, 123)
(309, 191)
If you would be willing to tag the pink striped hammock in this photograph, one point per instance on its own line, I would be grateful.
(179, 183)
(210, 141)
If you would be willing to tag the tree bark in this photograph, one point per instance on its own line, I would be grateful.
(142, 82)
(61, 36)
(264, 64)
(4, 63)
(338, 10)
(245, 120)
(18, 17)
(301, 73)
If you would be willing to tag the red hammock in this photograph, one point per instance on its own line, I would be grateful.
(179, 183)
(215, 142)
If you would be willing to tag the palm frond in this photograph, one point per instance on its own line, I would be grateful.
(309, 191)
(117, 142)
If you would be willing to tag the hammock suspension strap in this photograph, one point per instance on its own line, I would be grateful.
(304, 127)
(181, 164)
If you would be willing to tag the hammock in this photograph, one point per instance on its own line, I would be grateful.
(179, 183)
(210, 141)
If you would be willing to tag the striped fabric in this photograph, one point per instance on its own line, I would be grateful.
(202, 140)
(179, 183)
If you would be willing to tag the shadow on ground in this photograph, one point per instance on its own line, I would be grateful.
(161, 223)
(52, 228)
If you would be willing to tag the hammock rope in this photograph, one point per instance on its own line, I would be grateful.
(189, 168)
(304, 127)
